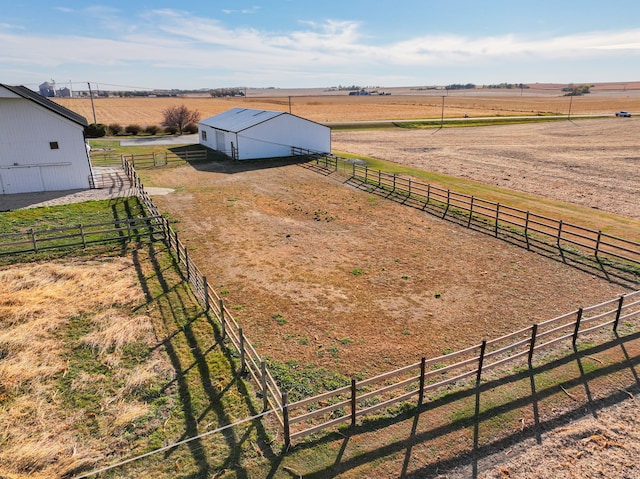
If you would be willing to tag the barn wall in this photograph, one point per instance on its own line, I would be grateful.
(27, 161)
(275, 137)
(218, 140)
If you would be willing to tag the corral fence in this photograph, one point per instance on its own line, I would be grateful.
(413, 382)
(250, 360)
(34, 241)
(149, 160)
(615, 257)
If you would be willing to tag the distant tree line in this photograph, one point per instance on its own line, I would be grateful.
(460, 86)
(509, 86)
(577, 90)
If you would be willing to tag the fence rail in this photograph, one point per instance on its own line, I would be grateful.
(610, 254)
(415, 381)
(33, 241)
(151, 160)
(250, 360)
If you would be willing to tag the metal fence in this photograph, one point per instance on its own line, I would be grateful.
(615, 257)
(34, 241)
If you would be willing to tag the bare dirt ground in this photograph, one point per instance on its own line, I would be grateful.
(324, 274)
(594, 163)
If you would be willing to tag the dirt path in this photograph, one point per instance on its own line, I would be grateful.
(594, 163)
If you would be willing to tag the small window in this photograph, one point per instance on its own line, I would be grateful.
(54, 145)
(204, 135)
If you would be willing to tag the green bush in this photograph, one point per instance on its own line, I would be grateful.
(115, 129)
(191, 128)
(95, 130)
(133, 129)
(151, 129)
(170, 130)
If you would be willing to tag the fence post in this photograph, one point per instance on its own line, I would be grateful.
(285, 420)
(84, 241)
(175, 237)
(423, 362)
(597, 249)
(483, 347)
(353, 402)
(222, 320)
(263, 385)
(559, 234)
(448, 203)
(526, 230)
(33, 240)
(532, 342)
(575, 331)
(618, 313)
(242, 357)
(205, 293)
(470, 212)
(186, 262)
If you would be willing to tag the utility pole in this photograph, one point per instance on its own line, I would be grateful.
(93, 108)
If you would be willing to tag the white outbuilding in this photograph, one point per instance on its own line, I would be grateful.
(42, 144)
(245, 133)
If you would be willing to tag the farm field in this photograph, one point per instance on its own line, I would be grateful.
(324, 276)
(590, 163)
(406, 103)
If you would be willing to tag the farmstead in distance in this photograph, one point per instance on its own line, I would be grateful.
(246, 134)
(42, 145)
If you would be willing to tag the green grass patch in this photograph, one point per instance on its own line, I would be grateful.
(86, 213)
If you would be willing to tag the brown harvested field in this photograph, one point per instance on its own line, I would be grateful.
(593, 164)
(403, 103)
(324, 274)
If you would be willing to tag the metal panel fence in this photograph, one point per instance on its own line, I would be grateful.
(614, 256)
(34, 241)
(250, 361)
(464, 368)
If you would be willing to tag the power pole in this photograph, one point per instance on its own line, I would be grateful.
(93, 108)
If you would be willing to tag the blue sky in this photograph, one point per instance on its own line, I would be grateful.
(317, 43)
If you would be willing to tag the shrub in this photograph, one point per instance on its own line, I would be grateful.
(170, 130)
(133, 129)
(190, 128)
(115, 129)
(95, 130)
(151, 129)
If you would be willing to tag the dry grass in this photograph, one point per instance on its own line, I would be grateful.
(39, 435)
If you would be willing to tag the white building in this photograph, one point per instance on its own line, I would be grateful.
(244, 133)
(42, 145)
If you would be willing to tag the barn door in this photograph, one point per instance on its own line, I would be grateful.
(220, 141)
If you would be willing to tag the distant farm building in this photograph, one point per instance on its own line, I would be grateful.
(245, 134)
(42, 145)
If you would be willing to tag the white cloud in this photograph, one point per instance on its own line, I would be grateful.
(168, 39)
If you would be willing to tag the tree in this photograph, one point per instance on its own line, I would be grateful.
(179, 117)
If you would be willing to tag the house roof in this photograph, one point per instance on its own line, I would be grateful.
(31, 95)
(239, 119)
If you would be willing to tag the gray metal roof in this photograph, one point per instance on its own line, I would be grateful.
(239, 119)
(28, 94)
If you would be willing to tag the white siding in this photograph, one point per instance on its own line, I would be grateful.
(27, 161)
(262, 134)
